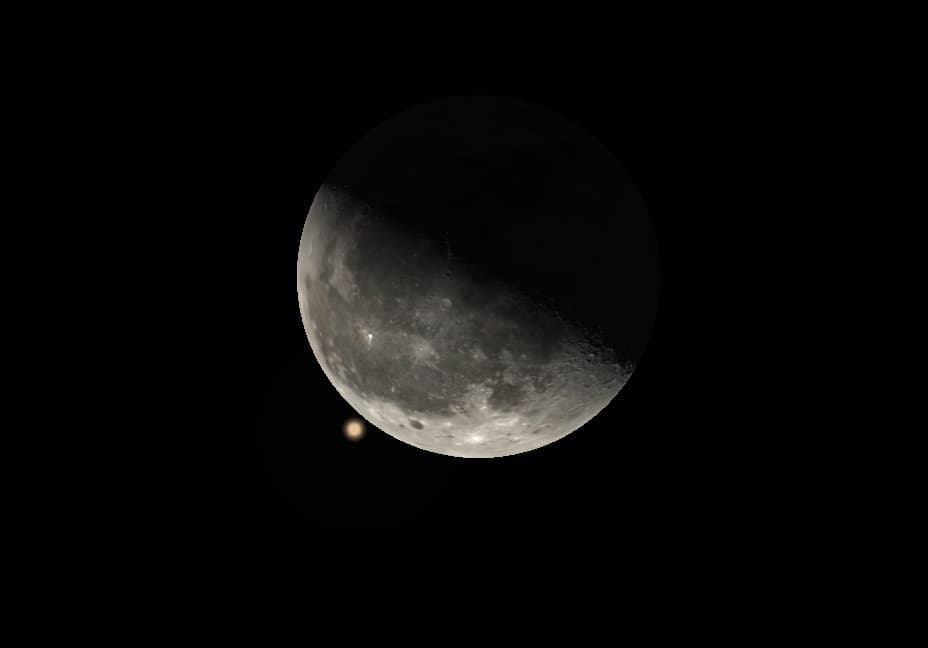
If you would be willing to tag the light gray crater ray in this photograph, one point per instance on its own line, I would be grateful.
(434, 355)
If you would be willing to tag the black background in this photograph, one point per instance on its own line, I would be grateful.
(739, 488)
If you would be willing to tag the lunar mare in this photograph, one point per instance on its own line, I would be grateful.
(431, 352)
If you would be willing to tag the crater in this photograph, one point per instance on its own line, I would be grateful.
(416, 424)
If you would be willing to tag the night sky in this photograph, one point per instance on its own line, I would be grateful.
(736, 490)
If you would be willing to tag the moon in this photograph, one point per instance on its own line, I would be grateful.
(438, 348)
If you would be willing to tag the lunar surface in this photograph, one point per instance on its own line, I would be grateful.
(433, 356)
(454, 268)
